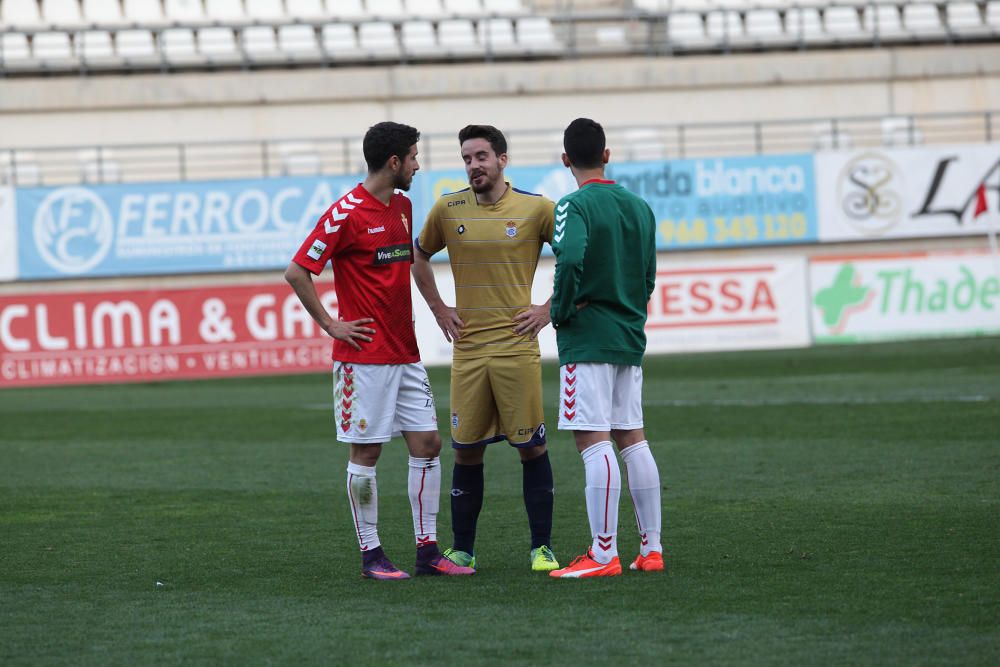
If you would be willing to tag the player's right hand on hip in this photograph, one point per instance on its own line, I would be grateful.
(449, 321)
(352, 332)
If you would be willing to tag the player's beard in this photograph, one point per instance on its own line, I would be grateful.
(403, 182)
(488, 182)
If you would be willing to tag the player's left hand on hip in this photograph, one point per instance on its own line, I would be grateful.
(531, 321)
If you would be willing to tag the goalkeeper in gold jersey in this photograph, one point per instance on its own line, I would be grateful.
(494, 235)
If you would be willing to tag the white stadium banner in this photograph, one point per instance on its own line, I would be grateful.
(913, 295)
(734, 305)
(908, 192)
(8, 235)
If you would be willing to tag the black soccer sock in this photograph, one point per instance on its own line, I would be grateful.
(539, 493)
(466, 502)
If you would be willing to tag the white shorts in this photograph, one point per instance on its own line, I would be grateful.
(600, 397)
(374, 402)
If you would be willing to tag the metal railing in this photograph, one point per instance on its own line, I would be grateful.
(193, 161)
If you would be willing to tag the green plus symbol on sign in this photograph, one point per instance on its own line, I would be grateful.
(836, 300)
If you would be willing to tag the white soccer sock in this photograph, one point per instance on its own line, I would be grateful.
(363, 494)
(425, 497)
(604, 487)
(644, 486)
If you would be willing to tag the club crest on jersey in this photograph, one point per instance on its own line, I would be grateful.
(461, 229)
(511, 229)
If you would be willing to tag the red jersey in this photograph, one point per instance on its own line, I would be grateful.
(370, 247)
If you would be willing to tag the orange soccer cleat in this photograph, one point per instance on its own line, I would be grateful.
(651, 563)
(586, 566)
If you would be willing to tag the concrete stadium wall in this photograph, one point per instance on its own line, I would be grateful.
(531, 95)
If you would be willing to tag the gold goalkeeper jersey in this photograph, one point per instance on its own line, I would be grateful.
(493, 252)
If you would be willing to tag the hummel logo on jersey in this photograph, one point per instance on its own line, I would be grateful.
(347, 203)
(316, 251)
(376, 230)
(562, 207)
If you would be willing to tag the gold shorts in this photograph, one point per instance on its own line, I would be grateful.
(497, 398)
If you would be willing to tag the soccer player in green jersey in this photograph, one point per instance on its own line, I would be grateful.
(605, 246)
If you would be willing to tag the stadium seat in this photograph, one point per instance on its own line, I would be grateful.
(144, 13)
(62, 12)
(96, 49)
(14, 46)
(830, 138)
(178, 46)
(964, 19)
(844, 24)
(763, 26)
(219, 45)
(385, 9)
(503, 7)
(536, 36)
(993, 15)
(298, 158)
(53, 50)
(266, 10)
(611, 38)
(419, 39)
(135, 46)
(922, 21)
(463, 7)
(378, 40)
(20, 13)
(260, 44)
(884, 22)
(340, 41)
(804, 25)
(900, 131)
(427, 9)
(98, 166)
(224, 10)
(21, 168)
(643, 144)
(458, 38)
(305, 9)
(656, 6)
(497, 36)
(184, 10)
(686, 30)
(346, 9)
(102, 12)
(298, 42)
(724, 27)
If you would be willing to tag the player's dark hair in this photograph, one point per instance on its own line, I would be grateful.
(383, 140)
(584, 143)
(498, 142)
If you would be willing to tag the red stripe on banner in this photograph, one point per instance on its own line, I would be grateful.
(727, 269)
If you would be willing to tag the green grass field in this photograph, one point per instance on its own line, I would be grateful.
(833, 506)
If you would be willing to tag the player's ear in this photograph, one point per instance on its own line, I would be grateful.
(502, 159)
(607, 156)
(565, 160)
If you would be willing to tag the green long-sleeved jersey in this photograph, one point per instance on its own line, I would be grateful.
(605, 247)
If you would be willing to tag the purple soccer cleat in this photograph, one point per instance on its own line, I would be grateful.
(380, 567)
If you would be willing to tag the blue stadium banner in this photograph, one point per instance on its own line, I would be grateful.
(251, 225)
(161, 228)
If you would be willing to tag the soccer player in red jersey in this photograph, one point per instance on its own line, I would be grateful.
(380, 386)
